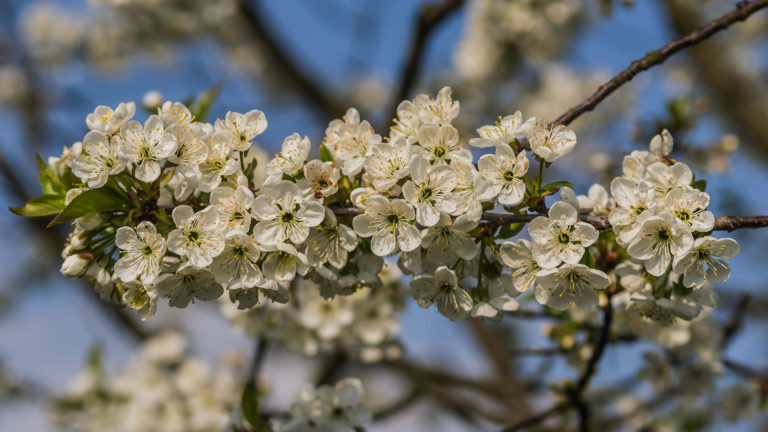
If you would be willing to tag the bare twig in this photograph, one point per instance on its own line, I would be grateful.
(743, 10)
(430, 17)
(536, 419)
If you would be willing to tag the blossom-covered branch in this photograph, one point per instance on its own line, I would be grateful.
(743, 10)
(722, 223)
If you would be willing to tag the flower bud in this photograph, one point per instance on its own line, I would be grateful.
(74, 266)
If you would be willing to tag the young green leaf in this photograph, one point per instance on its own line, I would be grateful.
(49, 180)
(325, 154)
(202, 105)
(44, 205)
(90, 202)
(557, 184)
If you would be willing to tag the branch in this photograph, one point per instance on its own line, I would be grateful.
(743, 10)
(307, 88)
(722, 223)
(535, 419)
(430, 17)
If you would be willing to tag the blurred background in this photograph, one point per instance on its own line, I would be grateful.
(304, 63)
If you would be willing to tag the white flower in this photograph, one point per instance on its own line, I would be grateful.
(188, 283)
(218, 163)
(406, 124)
(441, 110)
(141, 252)
(503, 173)
(390, 225)
(470, 190)
(137, 297)
(632, 205)
(388, 163)
(146, 146)
(355, 145)
(689, 205)
(198, 235)
(570, 284)
(553, 143)
(330, 243)
(661, 238)
(440, 144)
(642, 304)
(326, 317)
(233, 207)
(430, 190)
(561, 237)
(245, 127)
(285, 215)
(519, 256)
(283, 263)
(174, 113)
(505, 131)
(664, 178)
(706, 252)
(236, 267)
(104, 119)
(292, 156)
(661, 144)
(98, 160)
(333, 409)
(191, 150)
(448, 240)
(453, 301)
(321, 179)
(74, 266)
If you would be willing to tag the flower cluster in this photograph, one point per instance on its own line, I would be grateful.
(162, 388)
(184, 210)
(339, 408)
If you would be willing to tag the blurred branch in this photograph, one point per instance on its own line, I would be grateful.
(743, 10)
(306, 86)
(430, 17)
(740, 97)
(536, 419)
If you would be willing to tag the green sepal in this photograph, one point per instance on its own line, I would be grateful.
(510, 230)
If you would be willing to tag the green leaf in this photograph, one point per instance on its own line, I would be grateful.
(700, 185)
(49, 180)
(250, 406)
(587, 259)
(202, 105)
(44, 205)
(557, 184)
(510, 230)
(325, 154)
(90, 202)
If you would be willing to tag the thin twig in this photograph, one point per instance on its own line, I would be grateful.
(743, 10)
(722, 223)
(430, 17)
(535, 419)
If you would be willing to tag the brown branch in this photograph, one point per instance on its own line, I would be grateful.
(536, 419)
(430, 17)
(722, 223)
(743, 10)
(307, 88)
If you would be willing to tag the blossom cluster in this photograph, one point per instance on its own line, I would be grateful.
(179, 209)
(162, 388)
(339, 408)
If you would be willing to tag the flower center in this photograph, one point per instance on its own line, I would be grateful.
(238, 252)
(393, 220)
(426, 193)
(145, 153)
(193, 237)
(439, 152)
(638, 210)
(509, 176)
(664, 235)
(683, 215)
(147, 251)
(563, 238)
(287, 217)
